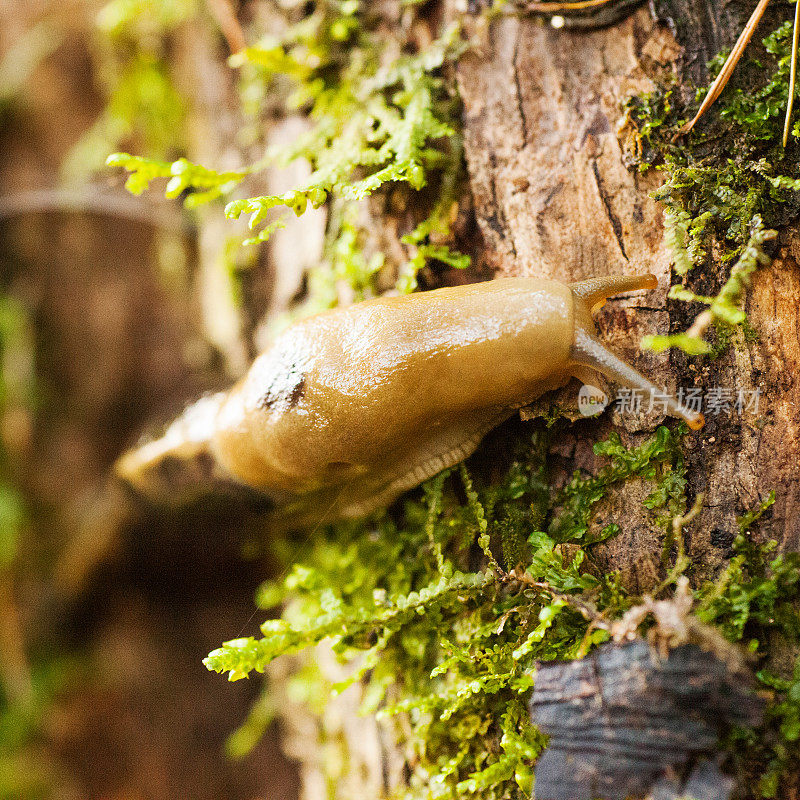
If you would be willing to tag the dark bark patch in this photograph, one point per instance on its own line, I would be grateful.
(723, 540)
(624, 717)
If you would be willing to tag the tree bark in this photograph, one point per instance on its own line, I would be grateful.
(554, 193)
(624, 717)
(545, 141)
(554, 196)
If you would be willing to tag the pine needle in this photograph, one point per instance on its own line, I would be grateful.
(792, 74)
(552, 6)
(727, 68)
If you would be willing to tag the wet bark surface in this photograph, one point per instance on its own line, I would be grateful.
(545, 141)
(546, 146)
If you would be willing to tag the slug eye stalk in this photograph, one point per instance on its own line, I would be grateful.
(595, 291)
(588, 351)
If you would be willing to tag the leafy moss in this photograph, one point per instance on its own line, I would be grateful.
(443, 606)
(754, 600)
(438, 625)
(754, 593)
(198, 184)
(747, 520)
(142, 103)
(726, 185)
(780, 740)
(659, 458)
(381, 117)
(691, 345)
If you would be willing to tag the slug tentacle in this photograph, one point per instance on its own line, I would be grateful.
(180, 464)
(595, 291)
(587, 351)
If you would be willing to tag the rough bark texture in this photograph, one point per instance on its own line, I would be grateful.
(546, 148)
(623, 716)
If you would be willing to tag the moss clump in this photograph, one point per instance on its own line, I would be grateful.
(726, 186)
(754, 601)
(443, 607)
(446, 605)
(132, 72)
(383, 119)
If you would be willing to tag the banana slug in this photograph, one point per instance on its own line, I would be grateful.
(349, 408)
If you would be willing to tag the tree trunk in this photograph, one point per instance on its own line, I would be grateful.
(546, 144)
(545, 140)
(547, 148)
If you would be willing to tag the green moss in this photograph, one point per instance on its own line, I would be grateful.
(726, 185)
(659, 459)
(777, 744)
(442, 632)
(383, 119)
(132, 72)
(754, 601)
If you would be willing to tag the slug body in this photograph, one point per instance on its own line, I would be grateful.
(350, 408)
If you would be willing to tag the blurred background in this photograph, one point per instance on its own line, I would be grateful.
(114, 311)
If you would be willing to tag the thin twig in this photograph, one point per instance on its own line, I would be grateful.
(701, 324)
(727, 68)
(91, 199)
(551, 6)
(679, 522)
(586, 609)
(792, 74)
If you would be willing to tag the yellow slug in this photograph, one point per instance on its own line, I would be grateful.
(350, 408)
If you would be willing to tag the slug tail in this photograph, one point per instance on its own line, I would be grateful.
(166, 469)
(595, 291)
(587, 351)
